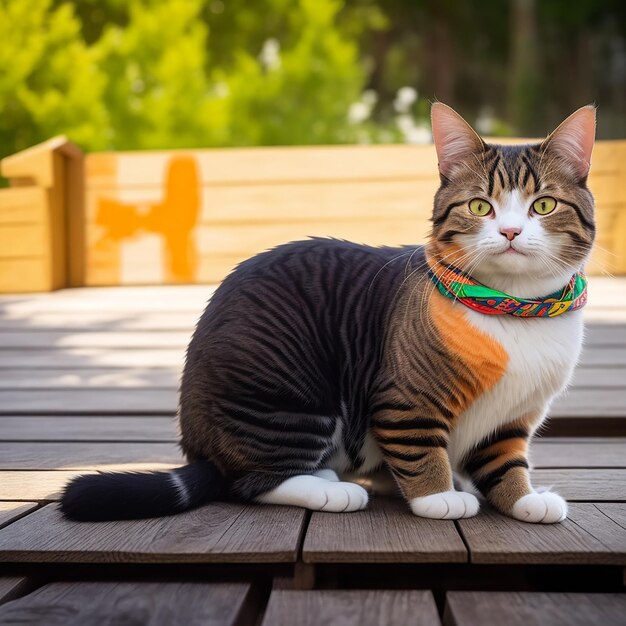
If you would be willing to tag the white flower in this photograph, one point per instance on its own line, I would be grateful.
(270, 54)
(419, 134)
(405, 123)
(485, 121)
(369, 97)
(221, 90)
(411, 132)
(405, 98)
(358, 112)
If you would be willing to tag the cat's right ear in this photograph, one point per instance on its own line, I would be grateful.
(455, 140)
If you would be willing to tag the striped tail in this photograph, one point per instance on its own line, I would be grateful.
(136, 495)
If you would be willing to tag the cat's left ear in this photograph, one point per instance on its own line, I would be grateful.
(573, 140)
(455, 140)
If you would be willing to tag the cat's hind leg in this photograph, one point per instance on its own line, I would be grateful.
(290, 452)
(317, 493)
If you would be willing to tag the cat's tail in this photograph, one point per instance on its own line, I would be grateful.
(135, 495)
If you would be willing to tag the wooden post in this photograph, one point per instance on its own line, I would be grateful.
(41, 218)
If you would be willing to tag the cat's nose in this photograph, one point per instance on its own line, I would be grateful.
(510, 233)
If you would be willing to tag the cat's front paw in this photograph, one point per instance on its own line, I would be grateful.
(540, 508)
(445, 505)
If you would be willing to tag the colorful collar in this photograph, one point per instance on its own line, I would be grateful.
(457, 285)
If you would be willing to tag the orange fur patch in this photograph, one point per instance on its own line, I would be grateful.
(485, 357)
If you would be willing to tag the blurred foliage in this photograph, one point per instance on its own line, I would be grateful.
(130, 74)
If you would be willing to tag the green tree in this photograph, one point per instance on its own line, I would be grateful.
(157, 93)
(49, 83)
(301, 93)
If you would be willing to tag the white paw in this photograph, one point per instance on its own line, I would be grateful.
(540, 508)
(445, 505)
(318, 494)
(343, 498)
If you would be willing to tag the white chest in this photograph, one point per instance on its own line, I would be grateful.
(542, 355)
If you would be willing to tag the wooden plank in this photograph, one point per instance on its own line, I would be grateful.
(36, 163)
(594, 485)
(19, 314)
(10, 511)
(605, 314)
(587, 537)
(12, 586)
(599, 377)
(33, 378)
(217, 533)
(93, 338)
(143, 264)
(68, 378)
(24, 274)
(615, 511)
(604, 357)
(85, 456)
(158, 604)
(89, 401)
(334, 201)
(608, 402)
(74, 200)
(608, 335)
(266, 165)
(163, 401)
(99, 320)
(607, 290)
(351, 608)
(173, 358)
(22, 240)
(493, 608)
(608, 298)
(93, 300)
(22, 205)
(92, 358)
(112, 340)
(578, 453)
(386, 532)
(42, 486)
(96, 428)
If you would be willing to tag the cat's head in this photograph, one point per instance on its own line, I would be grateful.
(507, 211)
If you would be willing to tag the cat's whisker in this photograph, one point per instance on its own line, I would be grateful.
(387, 264)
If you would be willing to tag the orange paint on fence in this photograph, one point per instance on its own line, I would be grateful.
(173, 219)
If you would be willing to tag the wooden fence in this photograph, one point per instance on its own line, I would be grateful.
(189, 216)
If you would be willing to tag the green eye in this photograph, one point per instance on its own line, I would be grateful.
(543, 206)
(479, 207)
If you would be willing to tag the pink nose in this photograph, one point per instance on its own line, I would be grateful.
(510, 233)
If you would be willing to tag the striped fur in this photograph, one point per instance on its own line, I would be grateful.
(327, 355)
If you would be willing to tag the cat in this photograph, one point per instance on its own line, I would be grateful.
(322, 356)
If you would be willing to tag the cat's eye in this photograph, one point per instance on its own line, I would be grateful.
(480, 207)
(543, 206)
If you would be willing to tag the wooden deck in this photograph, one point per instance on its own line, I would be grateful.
(88, 382)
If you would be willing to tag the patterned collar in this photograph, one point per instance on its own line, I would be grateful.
(457, 285)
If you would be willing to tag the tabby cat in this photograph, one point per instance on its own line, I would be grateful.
(322, 357)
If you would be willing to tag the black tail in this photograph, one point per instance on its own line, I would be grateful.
(134, 495)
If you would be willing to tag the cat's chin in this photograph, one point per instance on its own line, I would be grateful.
(521, 275)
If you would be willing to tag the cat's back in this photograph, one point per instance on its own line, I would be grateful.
(325, 278)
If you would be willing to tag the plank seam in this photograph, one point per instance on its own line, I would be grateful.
(459, 530)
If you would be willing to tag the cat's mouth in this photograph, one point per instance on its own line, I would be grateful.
(511, 251)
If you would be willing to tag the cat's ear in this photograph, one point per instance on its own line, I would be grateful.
(455, 140)
(573, 140)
